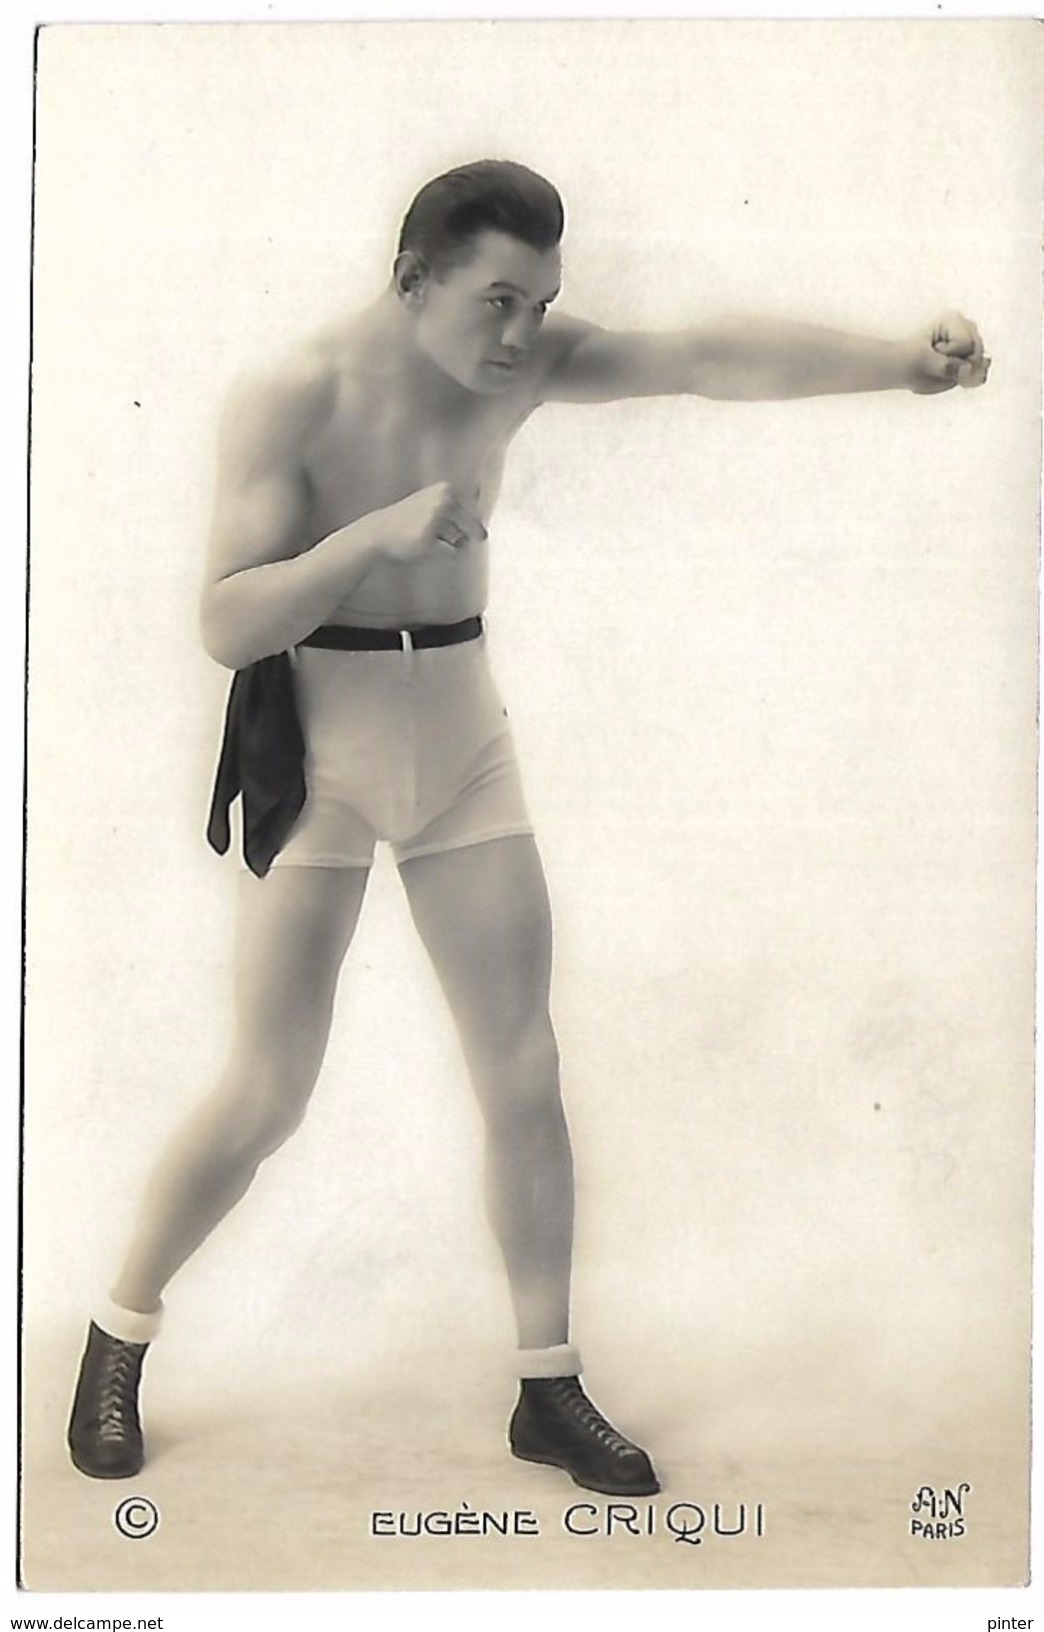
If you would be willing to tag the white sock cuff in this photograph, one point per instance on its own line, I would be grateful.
(127, 1324)
(563, 1360)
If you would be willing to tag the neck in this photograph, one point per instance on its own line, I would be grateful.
(393, 353)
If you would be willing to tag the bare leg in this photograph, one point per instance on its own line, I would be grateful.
(483, 914)
(292, 933)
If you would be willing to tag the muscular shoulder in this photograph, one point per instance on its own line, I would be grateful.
(559, 339)
(586, 363)
(270, 416)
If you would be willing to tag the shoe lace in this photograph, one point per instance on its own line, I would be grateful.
(587, 1416)
(117, 1409)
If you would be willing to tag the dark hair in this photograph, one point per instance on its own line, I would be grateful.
(492, 194)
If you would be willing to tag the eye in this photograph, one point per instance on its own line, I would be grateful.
(500, 303)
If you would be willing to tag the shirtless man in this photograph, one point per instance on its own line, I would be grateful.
(355, 488)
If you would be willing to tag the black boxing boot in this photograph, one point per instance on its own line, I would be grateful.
(104, 1437)
(555, 1423)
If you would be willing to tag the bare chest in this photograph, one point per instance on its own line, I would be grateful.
(375, 448)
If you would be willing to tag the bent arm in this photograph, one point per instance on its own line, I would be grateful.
(268, 608)
(266, 585)
(757, 359)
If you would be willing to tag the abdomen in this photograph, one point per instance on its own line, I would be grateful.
(442, 588)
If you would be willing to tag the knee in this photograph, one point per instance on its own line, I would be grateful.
(527, 1054)
(275, 1120)
(262, 1109)
(522, 1079)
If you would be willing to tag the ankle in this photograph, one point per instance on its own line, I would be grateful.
(128, 1325)
(549, 1395)
(560, 1360)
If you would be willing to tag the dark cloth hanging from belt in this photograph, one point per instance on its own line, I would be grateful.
(262, 759)
(263, 748)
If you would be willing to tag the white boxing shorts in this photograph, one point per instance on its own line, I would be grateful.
(408, 746)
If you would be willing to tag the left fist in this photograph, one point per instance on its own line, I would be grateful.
(950, 353)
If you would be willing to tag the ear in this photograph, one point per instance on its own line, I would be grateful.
(411, 277)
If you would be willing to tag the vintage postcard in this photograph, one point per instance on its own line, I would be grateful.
(635, 532)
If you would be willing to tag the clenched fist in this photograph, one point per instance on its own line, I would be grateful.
(950, 353)
(432, 518)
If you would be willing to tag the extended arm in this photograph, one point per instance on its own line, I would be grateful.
(757, 359)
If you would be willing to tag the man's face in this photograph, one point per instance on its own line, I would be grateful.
(478, 321)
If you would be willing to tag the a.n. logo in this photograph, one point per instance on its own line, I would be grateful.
(940, 1513)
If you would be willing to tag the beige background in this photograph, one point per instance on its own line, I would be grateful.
(771, 670)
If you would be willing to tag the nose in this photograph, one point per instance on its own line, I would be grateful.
(519, 331)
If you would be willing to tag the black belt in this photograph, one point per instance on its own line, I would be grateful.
(340, 637)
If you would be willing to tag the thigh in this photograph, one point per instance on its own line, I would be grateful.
(292, 931)
(483, 914)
